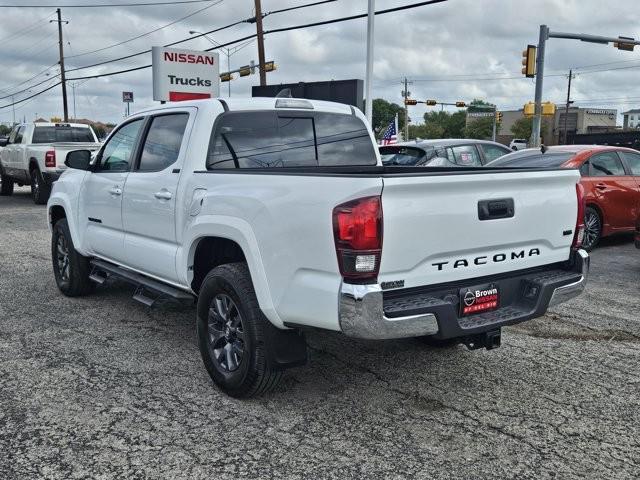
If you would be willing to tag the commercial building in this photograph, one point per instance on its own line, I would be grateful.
(576, 121)
(631, 118)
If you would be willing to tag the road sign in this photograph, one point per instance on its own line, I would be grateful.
(184, 74)
(127, 97)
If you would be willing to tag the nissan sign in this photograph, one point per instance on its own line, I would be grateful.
(184, 74)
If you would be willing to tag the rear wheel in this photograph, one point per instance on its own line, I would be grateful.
(71, 270)
(233, 332)
(592, 228)
(40, 191)
(6, 185)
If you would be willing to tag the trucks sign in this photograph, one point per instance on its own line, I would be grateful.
(184, 74)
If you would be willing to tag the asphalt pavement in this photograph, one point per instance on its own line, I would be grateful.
(104, 387)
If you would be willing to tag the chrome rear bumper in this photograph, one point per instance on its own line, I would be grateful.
(362, 314)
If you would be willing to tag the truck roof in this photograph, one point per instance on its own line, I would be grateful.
(253, 103)
(54, 124)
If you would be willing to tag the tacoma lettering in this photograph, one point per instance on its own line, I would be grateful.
(482, 260)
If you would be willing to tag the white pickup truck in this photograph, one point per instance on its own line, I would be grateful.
(34, 155)
(277, 214)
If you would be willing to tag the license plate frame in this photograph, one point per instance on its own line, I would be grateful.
(479, 299)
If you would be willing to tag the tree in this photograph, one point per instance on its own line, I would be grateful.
(383, 114)
(522, 128)
(480, 128)
(441, 124)
(4, 130)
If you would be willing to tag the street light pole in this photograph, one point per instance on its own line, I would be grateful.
(226, 51)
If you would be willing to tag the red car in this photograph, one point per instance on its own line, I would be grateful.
(610, 177)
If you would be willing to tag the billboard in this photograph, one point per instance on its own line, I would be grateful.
(184, 74)
(350, 92)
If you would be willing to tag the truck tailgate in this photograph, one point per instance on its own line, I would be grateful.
(433, 232)
(63, 148)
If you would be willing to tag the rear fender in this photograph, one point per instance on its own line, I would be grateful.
(239, 231)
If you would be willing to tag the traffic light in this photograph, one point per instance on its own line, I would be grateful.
(529, 109)
(269, 66)
(461, 104)
(431, 102)
(226, 77)
(499, 117)
(245, 71)
(409, 101)
(548, 109)
(529, 61)
(624, 46)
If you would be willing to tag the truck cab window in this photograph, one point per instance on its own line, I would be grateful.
(162, 145)
(117, 152)
(289, 139)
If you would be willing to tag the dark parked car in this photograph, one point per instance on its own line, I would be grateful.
(610, 177)
(452, 152)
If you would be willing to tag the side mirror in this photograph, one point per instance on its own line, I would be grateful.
(78, 159)
(4, 142)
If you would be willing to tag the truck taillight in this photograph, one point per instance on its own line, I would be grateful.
(578, 237)
(357, 231)
(50, 158)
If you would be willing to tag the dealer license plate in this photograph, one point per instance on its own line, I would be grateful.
(481, 298)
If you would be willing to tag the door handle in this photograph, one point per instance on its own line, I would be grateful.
(115, 190)
(601, 186)
(163, 195)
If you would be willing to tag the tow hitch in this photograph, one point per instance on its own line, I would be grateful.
(488, 340)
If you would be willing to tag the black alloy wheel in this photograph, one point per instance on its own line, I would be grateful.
(226, 333)
(62, 258)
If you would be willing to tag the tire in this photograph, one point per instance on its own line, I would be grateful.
(6, 186)
(40, 191)
(592, 228)
(233, 346)
(440, 343)
(70, 269)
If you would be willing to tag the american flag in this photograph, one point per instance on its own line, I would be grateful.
(390, 136)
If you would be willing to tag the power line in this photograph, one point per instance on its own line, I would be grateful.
(25, 30)
(343, 19)
(27, 80)
(277, 30)
(105, 5)
(147, 33)
(31, 96)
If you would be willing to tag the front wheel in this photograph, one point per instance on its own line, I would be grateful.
(71, 270)
(592, 228)
(233, 332)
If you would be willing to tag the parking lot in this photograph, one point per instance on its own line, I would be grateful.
(104, 387)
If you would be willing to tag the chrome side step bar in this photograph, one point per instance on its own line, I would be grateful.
(148, 291)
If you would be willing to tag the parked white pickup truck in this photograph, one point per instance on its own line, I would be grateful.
(34, 154)
(276, 214)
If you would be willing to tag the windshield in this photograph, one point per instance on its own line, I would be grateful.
(533, 158)
(405, 156)
(62, 134)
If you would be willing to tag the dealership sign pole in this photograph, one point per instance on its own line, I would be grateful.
(185, 74)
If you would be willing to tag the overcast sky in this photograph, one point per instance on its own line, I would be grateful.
(456, 50)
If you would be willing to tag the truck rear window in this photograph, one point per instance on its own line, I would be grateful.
(272, 139)
(62, 134)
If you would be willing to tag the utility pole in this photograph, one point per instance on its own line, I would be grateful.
(566, 112)
(495, 122)
(260, 34)
(537, 119)
(406, 94)
(63, 80)
(368, 108)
